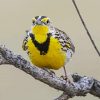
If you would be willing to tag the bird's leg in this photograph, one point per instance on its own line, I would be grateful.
(65, 77)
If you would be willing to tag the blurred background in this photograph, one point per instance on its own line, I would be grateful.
(15, 18)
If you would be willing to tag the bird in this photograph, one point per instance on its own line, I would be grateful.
(47, 46)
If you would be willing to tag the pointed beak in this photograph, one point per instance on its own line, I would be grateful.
(38, 23)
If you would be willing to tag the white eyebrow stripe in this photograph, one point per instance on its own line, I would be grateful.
(39, 18)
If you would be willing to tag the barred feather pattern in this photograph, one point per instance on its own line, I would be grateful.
(65, 41)
(24, 44)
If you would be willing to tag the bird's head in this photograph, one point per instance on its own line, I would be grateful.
(40, 25)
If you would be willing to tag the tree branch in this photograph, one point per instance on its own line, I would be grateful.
(80, 86)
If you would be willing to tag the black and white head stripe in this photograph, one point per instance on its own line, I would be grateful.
(40, 17)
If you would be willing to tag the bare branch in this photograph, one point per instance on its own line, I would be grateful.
(3, 60)
(79, 87)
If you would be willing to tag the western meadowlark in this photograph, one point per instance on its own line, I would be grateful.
(47, 46)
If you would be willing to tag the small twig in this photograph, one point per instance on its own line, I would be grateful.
(88, 33)
(63, 96)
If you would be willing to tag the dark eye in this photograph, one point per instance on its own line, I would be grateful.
(48, 21)
(33, 21)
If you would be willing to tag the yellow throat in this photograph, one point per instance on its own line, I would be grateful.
(40, 32)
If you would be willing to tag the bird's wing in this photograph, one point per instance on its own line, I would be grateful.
(65, 41)
(24, 44)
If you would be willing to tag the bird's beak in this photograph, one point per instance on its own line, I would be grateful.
(38, 23)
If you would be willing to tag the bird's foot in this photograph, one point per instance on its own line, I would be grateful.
(66, 78)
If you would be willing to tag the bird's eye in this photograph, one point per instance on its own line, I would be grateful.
(48, 21)
(33, 20)
(45, 20)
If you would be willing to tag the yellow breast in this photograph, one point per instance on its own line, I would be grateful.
(40, 32)
(55, 58)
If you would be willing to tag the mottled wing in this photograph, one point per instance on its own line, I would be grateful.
(24, 44)
(66, 42)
